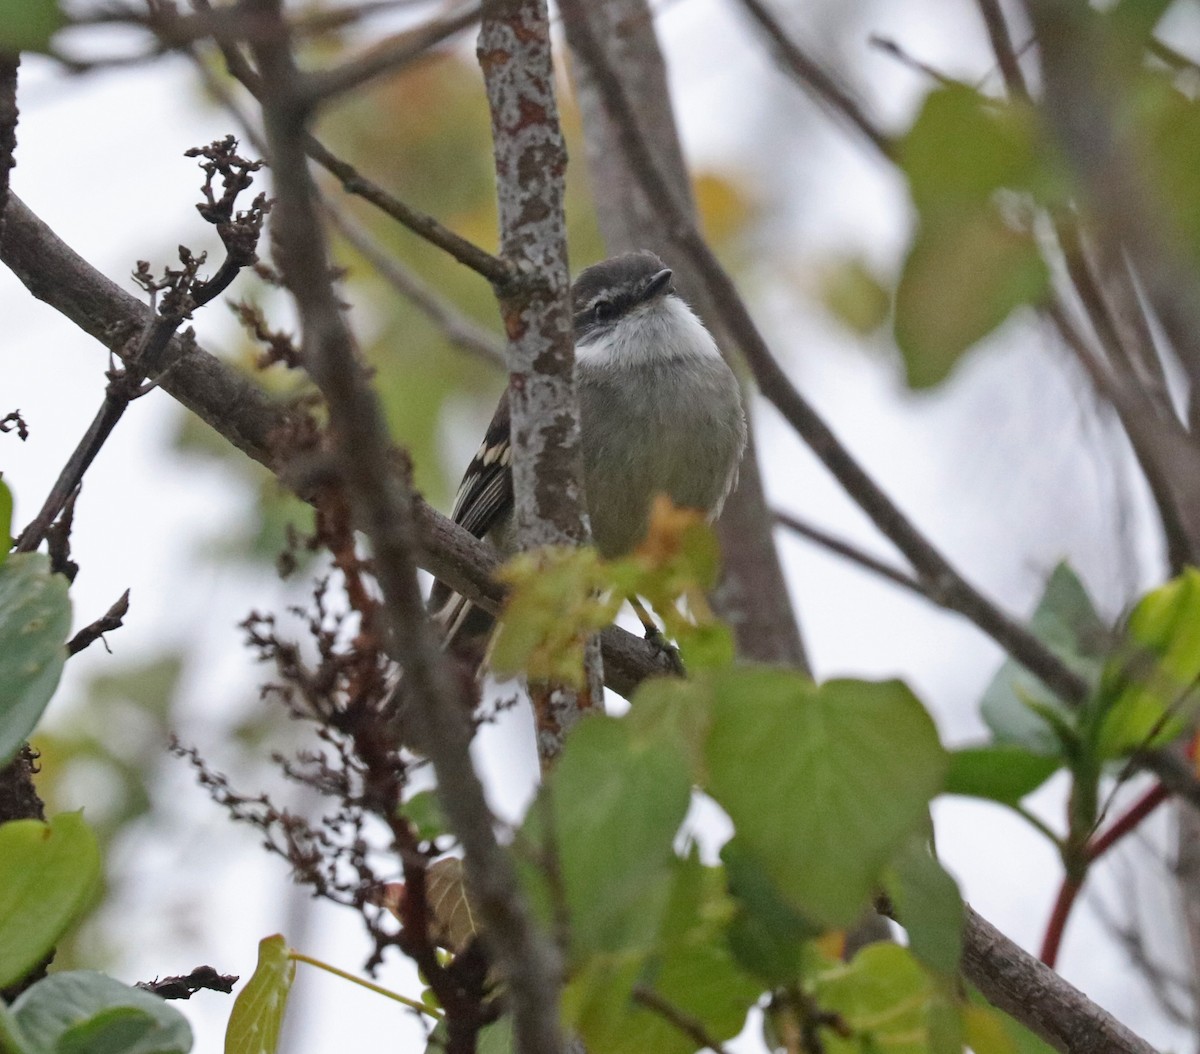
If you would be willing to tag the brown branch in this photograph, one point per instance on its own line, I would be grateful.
(547, 464)
(496, 270)
(1014, 981)
(385, 509)
(113, 618)
(852, 553)
(816, 80)
(457, 327)
(933, 569)
(1002, 47)
(389, 57)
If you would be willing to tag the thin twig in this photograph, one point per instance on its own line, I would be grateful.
(815, 79)
(113, 618)
(852, 553)
(690, 1026)
(390, 57)
(456, 326)
(891, 47)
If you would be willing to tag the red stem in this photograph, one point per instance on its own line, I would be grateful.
(1136, 813)
(1067, 893)
(1069, 890)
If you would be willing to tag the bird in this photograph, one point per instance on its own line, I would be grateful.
(660, 413)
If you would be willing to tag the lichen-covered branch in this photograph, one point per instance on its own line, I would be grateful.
(531, 160)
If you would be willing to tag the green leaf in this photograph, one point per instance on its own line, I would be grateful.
(767, 935)
(35, 617)
(1149, 689)
(496, 1038)
(1066, 622)
(47, 871)
(929, 905)
(822, 784)
(257, 1015)
(424, 812)
(79, 1012)
(884, 997)
(28, 25)
(691, 969)
(677, 711)
(1003, 772)
(610, 812)
(964, 147)
(6, 511)
(964, 275)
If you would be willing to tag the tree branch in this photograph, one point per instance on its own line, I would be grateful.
(1056, 1011)
(385, 507)
(240, 411)
(817, 81)
(547, 462)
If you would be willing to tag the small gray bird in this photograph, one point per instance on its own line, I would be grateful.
(660, 413)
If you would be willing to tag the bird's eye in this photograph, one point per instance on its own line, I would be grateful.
(603, 310)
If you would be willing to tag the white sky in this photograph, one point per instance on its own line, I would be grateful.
(1007, 467)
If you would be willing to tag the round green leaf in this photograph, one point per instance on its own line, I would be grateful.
(964, 275)
(613, 806)
(822, 784)
(35, 617)
(884, 997)
(929, 904)
(79, 1012)
(257, 1016)
(47, 871)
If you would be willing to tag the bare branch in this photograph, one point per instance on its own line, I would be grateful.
(458, 328)
(113, 618)
(547, 463)
(385, 508)
(1015, 982)
(852, 553)
(1002, 48)
(389, 57)
(815, 79)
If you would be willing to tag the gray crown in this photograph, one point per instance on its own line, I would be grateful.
(605, 291)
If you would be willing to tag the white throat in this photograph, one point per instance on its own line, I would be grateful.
(665, 328)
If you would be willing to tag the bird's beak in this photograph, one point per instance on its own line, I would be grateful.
(660, 283)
